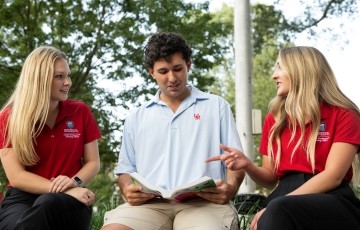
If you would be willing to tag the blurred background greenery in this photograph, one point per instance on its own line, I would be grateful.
(104, 42)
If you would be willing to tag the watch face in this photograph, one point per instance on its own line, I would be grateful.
(78, 180)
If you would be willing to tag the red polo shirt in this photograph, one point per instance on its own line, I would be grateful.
(61, 148)
(337, 125)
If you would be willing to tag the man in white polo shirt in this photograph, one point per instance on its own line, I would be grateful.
(167, 141)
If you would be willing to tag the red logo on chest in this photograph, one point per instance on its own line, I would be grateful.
(197, 116)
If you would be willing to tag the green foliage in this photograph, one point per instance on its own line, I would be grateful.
(99, 209)
(245, 219)
(269, 27)
(104, 185)
(224, 72)
(263, 86)
(247, 205)
(270, 35)
(313, 13)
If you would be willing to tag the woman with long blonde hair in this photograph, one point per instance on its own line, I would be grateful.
(310, 140)
(48, 148)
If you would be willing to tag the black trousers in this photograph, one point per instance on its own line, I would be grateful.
(336, 210)
(51, 211)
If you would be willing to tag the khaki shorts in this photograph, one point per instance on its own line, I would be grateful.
(164, 214)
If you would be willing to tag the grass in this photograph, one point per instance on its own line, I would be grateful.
(99, 209)
(247, 205)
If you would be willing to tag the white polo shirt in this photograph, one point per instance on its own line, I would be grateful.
(169, 149)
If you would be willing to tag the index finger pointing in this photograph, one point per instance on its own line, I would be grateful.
(225, 148)
(213, 158)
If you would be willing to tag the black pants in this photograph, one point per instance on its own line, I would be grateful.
(51, 211)
(336, 210)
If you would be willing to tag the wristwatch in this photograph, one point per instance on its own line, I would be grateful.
(77, 180)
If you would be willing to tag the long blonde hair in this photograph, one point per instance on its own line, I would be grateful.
(30, 102)
(311, 81)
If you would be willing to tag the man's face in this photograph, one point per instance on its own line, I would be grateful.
(171, 76)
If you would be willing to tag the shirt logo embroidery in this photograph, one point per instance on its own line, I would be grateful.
(70, 131)
(70, 124)
(197, 116)
(322, 126)
(323, 135)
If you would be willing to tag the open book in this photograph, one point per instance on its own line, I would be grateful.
(180, 193)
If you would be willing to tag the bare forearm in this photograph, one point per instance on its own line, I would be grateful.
(236, 160)
(30, 182)
(320, 183)
(262, 176)
(234, 179)
(123, 181)
(88, 171)
(91, 162)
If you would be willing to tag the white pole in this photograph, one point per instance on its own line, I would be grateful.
(243, 86)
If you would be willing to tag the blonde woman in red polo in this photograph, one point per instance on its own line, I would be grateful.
(310, 139)
(48, 148)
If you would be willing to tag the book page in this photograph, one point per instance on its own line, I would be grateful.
(187, 191)
(147, 186)
(179, 193)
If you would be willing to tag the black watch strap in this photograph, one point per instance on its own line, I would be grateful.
(77, 180)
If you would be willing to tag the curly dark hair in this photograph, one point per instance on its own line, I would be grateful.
(163, 45)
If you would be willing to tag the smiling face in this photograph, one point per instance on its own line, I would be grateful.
(281, 79)
(171, 76)
(61, 82)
